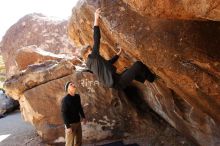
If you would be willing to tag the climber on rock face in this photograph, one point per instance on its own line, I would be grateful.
(104, 69)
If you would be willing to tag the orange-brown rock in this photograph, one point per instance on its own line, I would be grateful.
(110, 114)
(183, 53)
(35, 29)
(35, 75)
(32, 55)
(181, 9)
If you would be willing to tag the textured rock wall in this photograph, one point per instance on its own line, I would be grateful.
(32, 55)
(181, 9)
(35, 30)
(183, 53)
(110, 114)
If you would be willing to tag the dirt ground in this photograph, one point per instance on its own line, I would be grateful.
(20, 133)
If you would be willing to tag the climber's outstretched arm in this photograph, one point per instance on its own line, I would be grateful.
(115, 58)
(96, 34)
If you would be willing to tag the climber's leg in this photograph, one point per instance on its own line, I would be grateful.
(138, 71)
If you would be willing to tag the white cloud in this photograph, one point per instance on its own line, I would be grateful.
(12, 10)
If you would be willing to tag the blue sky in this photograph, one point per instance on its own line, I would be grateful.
(12, 10)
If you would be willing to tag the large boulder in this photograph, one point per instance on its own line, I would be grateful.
(183, 53)
(111, 114)
(35, 75)
(181, 9)
(44, 32)
(32, 55)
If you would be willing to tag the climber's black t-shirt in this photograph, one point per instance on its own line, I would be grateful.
(103, 69)
(71, 109)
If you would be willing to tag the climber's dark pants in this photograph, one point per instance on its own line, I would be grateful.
(138, 71)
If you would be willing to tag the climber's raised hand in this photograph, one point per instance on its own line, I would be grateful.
(97, 13)
(119, 52)
(97, 16)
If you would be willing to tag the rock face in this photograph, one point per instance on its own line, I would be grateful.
(41, 108)
(183, 53)
(32, 55)
(181, 9)
(111, 114)
(35, 29)
(35, 75)
(7, 104)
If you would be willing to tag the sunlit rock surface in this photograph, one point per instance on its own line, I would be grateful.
(181, 9)
(35, 75)
(44, 32)
(183, 53)
(32, 55)
(111, 114)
